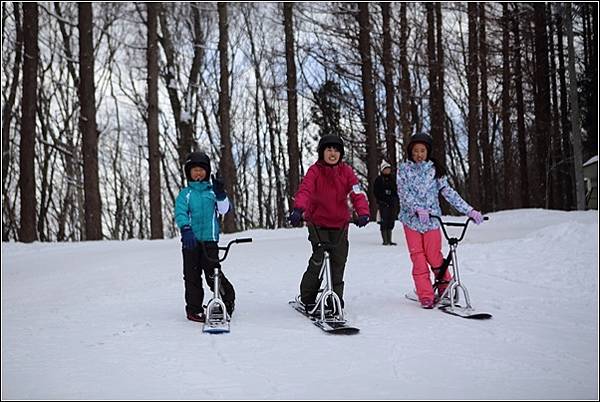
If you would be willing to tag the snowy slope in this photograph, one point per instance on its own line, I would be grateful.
(105, 320)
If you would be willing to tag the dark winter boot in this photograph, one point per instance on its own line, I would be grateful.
(385, 237)
(389, 236)
(197, 317)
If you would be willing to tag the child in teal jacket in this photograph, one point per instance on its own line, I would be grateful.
(196, 214)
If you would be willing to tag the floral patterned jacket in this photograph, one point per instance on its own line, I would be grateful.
(418, 188)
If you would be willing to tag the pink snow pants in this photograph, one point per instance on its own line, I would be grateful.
(425, 251)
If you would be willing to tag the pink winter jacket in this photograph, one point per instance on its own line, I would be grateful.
(323, 195)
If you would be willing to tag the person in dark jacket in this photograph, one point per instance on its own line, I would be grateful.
(386, 194)
(196, 210)
(322, 201)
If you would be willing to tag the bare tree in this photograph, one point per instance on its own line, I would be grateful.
(390, 110)
(521, 135)
(368, 100)
(274, 168)
(434, 116)
(473, 118)
(556, 192)
(292, 132)
(8, 114)
(156, 222)
(565, 124)
(87, 124)
(7, 109)
(226, 165)
(575, 116)
(181, 105)
(484, 134)
(27, 230)
(405, 88)
(543, 121)
(506, 126)
(439, 103)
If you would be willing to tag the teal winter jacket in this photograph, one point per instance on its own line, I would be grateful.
(196, 205)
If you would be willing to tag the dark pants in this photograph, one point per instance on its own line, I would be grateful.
(194, 262)
(388, 217)
(310, 284)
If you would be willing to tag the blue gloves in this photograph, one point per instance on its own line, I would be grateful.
(476, 216)
(188, 239)
(423, 215)
(218, 187)
(295, 217)
(362, 221)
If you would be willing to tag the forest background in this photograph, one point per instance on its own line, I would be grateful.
(101, 102)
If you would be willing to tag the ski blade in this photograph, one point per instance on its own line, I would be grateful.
(216, 327)
(458, 310)
(466, 313)
(331, 326)
(412, 296)
(337, 328)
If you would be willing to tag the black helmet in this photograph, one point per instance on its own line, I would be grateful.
(424, 139)
(197, 159)
(330, 140)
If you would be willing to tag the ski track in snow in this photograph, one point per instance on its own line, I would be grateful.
(105, 320)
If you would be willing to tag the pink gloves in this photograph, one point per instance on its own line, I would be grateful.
(476, 216)
(423, 215)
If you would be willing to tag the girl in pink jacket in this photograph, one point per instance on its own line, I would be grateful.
(321, 201)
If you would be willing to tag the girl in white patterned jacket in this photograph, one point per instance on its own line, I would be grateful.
(420, 180)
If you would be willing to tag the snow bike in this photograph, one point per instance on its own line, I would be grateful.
(449, 300)
(327, 313)
(217, 317)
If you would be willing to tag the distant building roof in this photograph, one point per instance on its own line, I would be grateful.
(593, 159)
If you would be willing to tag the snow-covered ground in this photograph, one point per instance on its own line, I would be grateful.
(105, 320)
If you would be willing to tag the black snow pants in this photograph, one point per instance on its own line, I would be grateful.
(310, 284)
(194, 262)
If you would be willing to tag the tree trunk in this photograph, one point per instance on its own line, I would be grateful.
(523, 168)
(259, 163)
(441, 109)
(473, 114)
(368, 100)
(565, 124)
(226, 164)
(506, 126)
(543, 125)
(487, 191)
(292, 135)
(405, 89)
(27, 229)
(435, 118)
(87, 124)
(156, 222)
(556, 191)
(390, 110)
(575, 115)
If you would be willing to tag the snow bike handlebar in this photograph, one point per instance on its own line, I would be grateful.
(225, 248)
(454, 240)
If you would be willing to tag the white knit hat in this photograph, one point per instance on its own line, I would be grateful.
(384, 165)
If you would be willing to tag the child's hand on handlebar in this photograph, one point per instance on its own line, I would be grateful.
(476, 216)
